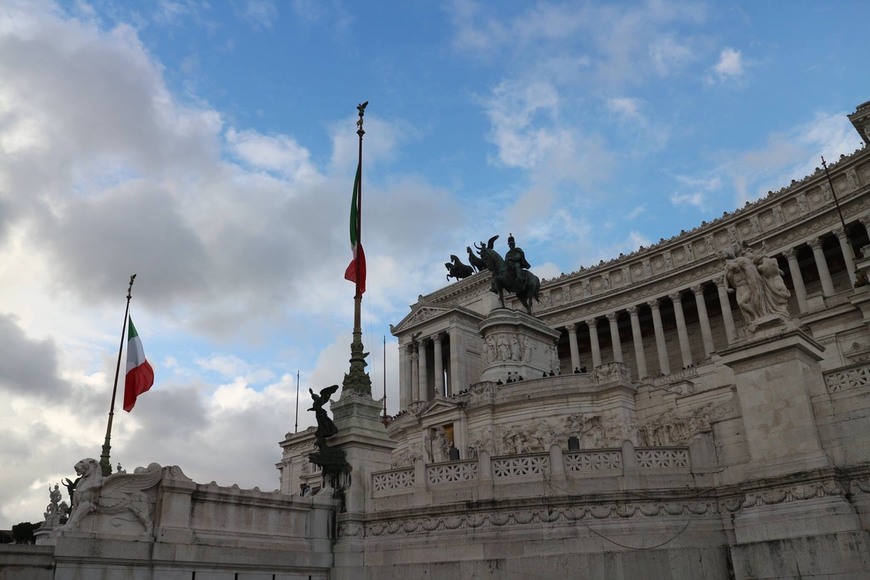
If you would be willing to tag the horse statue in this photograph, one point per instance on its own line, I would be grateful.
(474, 260)
(526, 287)
(456, 269)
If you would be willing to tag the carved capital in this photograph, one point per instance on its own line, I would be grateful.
(815, 244)
(676, 297)
(841, 235)
(720, 282)
(632, 311)
(592, 323)
(611, 316)
(698, 290)
(790, 254)
(653, 304)
(865, 221)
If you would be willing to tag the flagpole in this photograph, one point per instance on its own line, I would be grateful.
(357, 299)
(296, 426)
(385, 379)
(357, 380)
(105, 464)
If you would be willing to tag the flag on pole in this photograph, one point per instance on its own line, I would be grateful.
(140, 375)
(356, 271)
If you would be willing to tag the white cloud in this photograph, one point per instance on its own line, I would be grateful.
(729, 67)
(626, 108)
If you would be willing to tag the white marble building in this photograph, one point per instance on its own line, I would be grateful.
(644, 423)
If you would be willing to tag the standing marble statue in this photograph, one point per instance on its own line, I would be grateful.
(756, 281)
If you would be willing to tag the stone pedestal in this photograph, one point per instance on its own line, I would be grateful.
(517, 343)
(773, 372)
(362, 436)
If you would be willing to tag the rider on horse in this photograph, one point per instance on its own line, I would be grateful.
(516, 262)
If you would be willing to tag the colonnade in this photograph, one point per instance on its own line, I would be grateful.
(425, 357)
(438, 364)
(662, 362)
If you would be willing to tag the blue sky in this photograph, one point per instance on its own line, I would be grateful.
(210, 148)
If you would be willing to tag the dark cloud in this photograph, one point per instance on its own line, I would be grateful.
(29, 366)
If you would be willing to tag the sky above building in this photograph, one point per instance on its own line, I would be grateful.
(210, 148)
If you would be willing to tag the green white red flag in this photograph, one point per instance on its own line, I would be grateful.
(356, 271)
(140, 375)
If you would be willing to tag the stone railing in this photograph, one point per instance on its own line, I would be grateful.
(593, 461)
(392, 480)
(525, 468)
(847, 378)
(451, 472)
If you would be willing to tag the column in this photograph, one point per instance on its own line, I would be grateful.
(439, 366)
(593, 339)
(797, 279)
(848, 255)
(457, 368)
(614, 337)
(865, 221)
(637, 339)
(822, 265)
(725, 305)
(422, 372)
(415, 372)
(405, 393)
(704, 319)
(572, 342)
(661, 345)
(685, 348)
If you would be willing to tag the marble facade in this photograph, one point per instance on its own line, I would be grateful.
(658, 431)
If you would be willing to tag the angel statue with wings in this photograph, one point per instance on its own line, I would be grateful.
(325, 427)
(121, 498)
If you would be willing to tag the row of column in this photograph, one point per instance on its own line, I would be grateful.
(704, 320)
(414, 369)
(658, 328)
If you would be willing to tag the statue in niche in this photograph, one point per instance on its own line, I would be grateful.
(325, 427)
(690, 252)
(511, 273)
(440, 446)
(852, 176)
(803, 206)
(491, 353)
(504, 351)
(113, 495)
(456, 269)
(756, 281)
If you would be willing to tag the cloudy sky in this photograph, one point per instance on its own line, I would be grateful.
(210, 148)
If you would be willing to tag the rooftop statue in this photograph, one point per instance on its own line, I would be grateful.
(474, 260)
(456, 269)
(510, 273)
(756, 281)
(325, 427)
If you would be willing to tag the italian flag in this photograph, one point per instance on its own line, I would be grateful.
(140, 375)
(356, 271)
